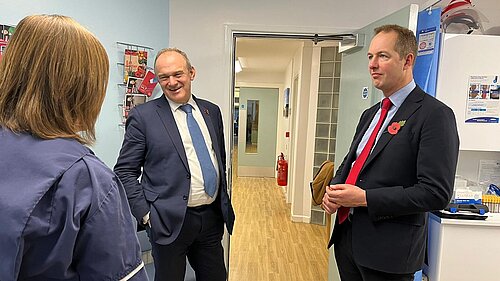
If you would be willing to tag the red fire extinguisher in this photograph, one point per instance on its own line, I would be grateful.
(282, 168)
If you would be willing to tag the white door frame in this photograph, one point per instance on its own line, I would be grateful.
(228, 79)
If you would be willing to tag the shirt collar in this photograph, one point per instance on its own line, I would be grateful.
(175, 106)
(400, 95)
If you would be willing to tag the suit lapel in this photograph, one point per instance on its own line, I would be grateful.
(167, 118)
(409, 106)
(351, 155)
(206, 116)
(366, 124)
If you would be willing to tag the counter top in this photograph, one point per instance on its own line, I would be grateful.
(493, 220)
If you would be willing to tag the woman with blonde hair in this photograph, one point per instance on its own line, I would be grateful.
(64, 214)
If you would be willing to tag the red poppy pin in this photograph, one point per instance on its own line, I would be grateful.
(206, 111)
(395, 127)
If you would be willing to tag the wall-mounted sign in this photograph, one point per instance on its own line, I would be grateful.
(286, 96)
(426, 41)
(364, 93)
(483, 103)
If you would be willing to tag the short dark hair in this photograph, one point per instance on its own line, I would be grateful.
(406, 41)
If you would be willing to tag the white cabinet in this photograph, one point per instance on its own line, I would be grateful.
(463, 249)
(463, 56)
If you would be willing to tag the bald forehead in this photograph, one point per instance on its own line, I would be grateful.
(384, 40)
(172, 56)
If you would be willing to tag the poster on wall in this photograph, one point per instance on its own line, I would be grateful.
(426, 41)
(6, 32)
(133, 85)
(483, 104)
(286, 96)
(131, 101)
(135, 64)
(148, 83)
(489, 172)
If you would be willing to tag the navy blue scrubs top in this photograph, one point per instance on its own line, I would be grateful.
(63, 214)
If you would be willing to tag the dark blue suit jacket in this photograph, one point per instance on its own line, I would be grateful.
(153, 143)
(405, 176)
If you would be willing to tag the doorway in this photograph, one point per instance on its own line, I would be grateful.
(299, 75)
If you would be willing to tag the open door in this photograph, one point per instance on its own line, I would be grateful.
(354, 79)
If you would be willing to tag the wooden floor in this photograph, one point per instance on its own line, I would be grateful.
(266, 245)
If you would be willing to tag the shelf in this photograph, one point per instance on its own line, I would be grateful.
(130, 100)
(133, 45)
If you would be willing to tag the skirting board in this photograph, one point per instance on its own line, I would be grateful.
(304, 219)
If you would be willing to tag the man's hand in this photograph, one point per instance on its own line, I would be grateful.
(346, 195)
(328, 205)
(146, 220)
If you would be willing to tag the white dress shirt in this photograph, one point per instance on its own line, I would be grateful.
(397, 100)
(197, 195)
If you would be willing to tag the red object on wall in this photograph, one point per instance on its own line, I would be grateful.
(282, 168)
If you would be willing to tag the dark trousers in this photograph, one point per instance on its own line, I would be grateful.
(199, 240)
(349, 269)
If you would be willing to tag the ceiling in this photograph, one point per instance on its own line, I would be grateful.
(269, 55)
(266, 54)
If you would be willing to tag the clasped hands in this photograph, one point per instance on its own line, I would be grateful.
(343, 195)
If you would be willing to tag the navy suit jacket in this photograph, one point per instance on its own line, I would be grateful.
(152, 143)
(405, 176)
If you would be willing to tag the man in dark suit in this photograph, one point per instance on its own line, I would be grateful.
(401, 164)
(178, 142)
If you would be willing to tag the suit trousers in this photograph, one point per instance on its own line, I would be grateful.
(199, 240)
(349, 269)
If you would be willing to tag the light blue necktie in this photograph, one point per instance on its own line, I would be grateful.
(207, 167)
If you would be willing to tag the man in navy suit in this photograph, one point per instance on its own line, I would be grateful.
(407, 148)
(170, 199)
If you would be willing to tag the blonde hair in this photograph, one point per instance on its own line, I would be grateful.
(53, 79)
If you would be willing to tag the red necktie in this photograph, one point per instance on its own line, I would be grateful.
(343, 212)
